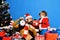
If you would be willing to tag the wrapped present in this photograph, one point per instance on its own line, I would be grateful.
(51, 36)
(2, 33)
(6, 38)
(16, 36)
(40, 37)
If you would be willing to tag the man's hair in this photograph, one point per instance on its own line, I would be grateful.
(43, 12)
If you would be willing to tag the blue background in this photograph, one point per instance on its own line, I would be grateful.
(19, 8)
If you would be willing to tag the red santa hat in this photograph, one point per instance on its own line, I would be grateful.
(27, 16)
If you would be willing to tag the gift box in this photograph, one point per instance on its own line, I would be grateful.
(16, 36)
(51, 36)
(40, 37)
(2, 33)
(6, 38)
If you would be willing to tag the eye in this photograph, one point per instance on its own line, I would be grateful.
(27, 19)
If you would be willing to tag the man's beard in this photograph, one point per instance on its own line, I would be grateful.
(30, 22)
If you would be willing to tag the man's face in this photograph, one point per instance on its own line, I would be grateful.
(29, 19)
(42, 14)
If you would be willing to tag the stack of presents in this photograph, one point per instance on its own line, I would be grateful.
(25, 28)
(45, 35)
(53, 34)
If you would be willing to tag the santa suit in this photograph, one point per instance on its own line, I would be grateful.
(44, 23)
(26, 30)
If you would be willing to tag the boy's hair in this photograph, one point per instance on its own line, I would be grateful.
(43, 12)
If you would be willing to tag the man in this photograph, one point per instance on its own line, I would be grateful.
(29, 30)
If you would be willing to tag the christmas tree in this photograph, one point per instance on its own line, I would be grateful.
(5, 16)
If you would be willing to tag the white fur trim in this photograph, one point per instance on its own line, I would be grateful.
(43, 28)
(26, 25)
(28, 17)
(25, 31)
(45, 17)
(48, 26)
(42, 19)
(40, 22)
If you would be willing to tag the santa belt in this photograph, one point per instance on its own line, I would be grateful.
(42, 23)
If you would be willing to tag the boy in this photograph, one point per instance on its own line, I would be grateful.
(43, 21)
(29, 30)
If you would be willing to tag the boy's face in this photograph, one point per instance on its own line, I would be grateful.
(29, 19)
(42, 14)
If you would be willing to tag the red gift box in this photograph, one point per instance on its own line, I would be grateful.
(40, 37)
(7, 38)
(51, 36)
(2, 33)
